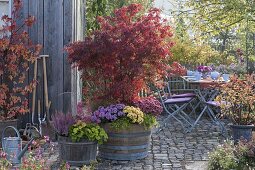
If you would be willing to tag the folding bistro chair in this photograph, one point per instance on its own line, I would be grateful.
(175, 108)
(177, 88)
(209, 107)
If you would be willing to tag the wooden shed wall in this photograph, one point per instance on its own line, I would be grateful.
(58, 22)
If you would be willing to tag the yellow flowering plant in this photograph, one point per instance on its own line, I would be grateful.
(135, 114)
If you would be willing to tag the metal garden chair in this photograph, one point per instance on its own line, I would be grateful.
(177, 88)
(209, 107)
(175, 108)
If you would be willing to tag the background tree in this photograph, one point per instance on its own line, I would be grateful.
(223, 20)
(95, 8)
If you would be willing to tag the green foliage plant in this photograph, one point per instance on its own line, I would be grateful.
(149, 121)
(121, 123)
(223, 158)
(236, 157)
(92, 132)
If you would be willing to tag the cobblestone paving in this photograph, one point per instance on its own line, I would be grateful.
(171, 148)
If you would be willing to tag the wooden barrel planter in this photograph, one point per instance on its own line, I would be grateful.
(128, 144)
(77, 153)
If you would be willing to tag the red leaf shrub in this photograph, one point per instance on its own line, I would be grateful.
(128, 51)
(149, 105)
(176, 69)
(16, 52)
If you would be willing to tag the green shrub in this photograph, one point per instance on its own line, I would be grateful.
(92, 132)
(233, 157)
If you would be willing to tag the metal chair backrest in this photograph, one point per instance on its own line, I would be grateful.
(175, 84)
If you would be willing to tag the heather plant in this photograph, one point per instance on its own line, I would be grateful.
(81, 114)
(17, 52)
(149, 105)
(239, 100)
(119, 59)
(62, 122)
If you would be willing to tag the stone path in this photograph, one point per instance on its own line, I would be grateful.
(171, 149)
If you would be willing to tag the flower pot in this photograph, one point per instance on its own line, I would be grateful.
(4, 124)
(77, 153)
(129, 144)
(241, 131)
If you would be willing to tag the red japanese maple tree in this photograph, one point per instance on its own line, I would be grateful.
(16, 52)
(129, 50)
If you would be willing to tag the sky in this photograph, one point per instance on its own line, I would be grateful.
(166, 5)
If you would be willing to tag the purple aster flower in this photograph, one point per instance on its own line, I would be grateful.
(109, 113)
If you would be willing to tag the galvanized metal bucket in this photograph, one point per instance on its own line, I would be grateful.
(12, 146)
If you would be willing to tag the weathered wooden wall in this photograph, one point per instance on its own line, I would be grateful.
(58, 22)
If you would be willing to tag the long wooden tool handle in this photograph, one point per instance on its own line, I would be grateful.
(34, 91)
(39, 108)
(45, 83)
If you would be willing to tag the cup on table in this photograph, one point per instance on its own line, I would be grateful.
(190, 73)
(215, 75)
(198, 76)
(225, 77)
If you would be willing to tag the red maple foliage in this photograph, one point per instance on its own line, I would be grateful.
(176, 69)
(129, 50)
(16, 52)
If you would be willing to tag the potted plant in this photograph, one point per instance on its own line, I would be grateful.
(239, 105)
(128, 128)
(77, 139)
(16, 53)
(204, 70)
(117, 61)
